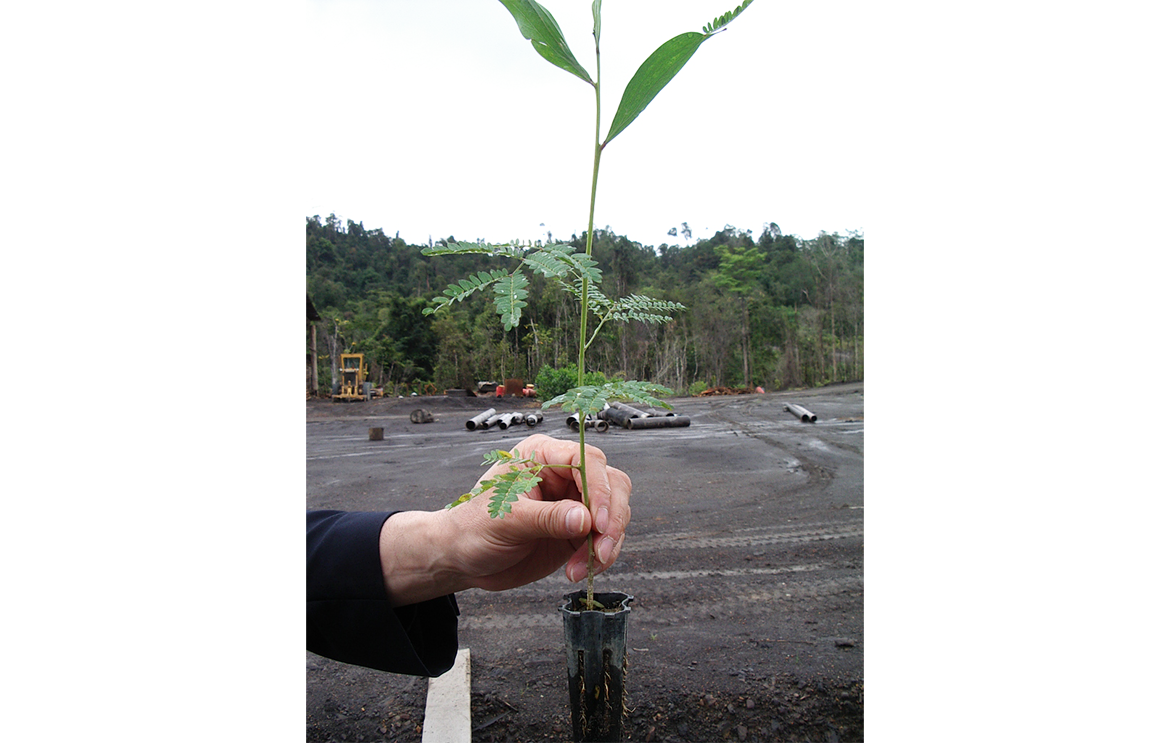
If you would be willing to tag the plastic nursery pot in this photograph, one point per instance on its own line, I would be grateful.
(595, 646)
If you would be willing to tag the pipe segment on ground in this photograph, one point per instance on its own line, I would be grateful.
(510, 419)
(533, 418)
(629, 409)
(619, 417)
(804, 414)
(479, 421)
(493, 421)
(590, 422)
(659, 421)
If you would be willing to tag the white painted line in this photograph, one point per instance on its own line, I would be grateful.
(448, 715)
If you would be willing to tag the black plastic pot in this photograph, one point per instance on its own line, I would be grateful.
(595, 648)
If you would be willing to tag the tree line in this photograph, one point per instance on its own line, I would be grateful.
(775, 311)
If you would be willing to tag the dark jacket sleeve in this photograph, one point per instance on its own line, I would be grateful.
(349, 616)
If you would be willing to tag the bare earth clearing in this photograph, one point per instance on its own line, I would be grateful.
(744, 557)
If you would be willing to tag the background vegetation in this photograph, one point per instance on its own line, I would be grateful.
(775, 311)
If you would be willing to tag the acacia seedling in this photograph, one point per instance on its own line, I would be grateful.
(576, 273)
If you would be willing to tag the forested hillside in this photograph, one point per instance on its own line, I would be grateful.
(771, 310)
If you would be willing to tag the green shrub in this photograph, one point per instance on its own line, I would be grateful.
(551, 382)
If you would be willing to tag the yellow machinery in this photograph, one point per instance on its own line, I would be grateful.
(353, 385)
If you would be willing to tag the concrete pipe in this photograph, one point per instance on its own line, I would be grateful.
(480, 420)
(659, 421)
(803, 413)
(533, 418)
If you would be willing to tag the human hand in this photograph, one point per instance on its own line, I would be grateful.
(464, 547)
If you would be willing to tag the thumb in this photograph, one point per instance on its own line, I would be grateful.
(563, 519)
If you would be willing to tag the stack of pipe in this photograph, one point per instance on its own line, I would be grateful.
(509, 419)
(632, 418)
(599, 423)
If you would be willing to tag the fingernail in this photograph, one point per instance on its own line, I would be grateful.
(575, 520)
(605, 549)
(602, 520)
(576, 572)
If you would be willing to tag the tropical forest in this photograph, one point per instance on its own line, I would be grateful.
(765, 310)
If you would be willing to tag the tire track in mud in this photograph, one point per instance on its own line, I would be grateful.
(770, 535)
(713, 590)
(752, 600)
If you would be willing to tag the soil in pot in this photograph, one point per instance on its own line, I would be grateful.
(595, 648)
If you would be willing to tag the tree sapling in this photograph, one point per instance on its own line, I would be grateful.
(576, 273)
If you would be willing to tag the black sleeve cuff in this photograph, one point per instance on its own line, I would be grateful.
(349, 616)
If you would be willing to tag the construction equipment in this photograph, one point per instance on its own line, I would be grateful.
(353, 384)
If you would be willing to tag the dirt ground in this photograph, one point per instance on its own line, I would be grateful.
(744, 557)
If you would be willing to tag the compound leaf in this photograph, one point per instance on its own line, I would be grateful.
(464, 289)
(718, 24)
(507, 489)
(585, 400)
(590, 399)
(510, 250)
(642, 392)
(551, 264)
(511, 291)
(645, 309)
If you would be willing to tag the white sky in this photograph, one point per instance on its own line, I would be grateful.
(438, 118)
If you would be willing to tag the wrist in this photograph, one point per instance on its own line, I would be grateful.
(415, 566)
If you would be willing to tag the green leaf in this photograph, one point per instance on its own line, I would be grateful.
(718, 24)
(645, 309)
(507, 489)
(511, 250)
(585, 400)
(658, 70)
(591, 399)
(464, 289)
(460, 500)
(539, 26)
(597, 21)
(583, 265)
(643, 392)
(551, 264)
(499, 455)
(510, 295)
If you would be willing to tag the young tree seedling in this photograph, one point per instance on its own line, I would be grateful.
(576, 273)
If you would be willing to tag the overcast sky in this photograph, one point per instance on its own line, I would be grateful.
(438, 118)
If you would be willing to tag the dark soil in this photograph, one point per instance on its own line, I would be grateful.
(744, 557)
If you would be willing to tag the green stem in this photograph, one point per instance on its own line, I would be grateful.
(597, 147)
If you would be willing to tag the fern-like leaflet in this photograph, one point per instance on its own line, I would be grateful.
(717, 25)
(591, 399)
(511, 292)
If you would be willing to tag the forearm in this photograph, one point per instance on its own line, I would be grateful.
(415, 550)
